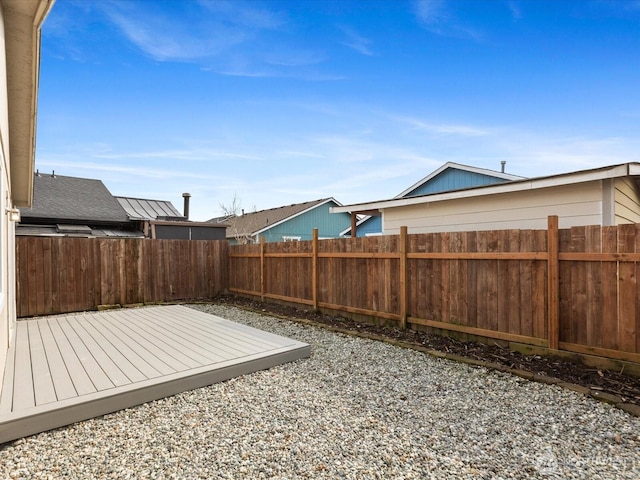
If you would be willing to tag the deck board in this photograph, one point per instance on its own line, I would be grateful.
(62, 383)
(6, 394)
(229, 338)
(42, 380)
(22, 377)
(157, 354)
(77, 360)
(135, 367)
(174, 337)
(144, 360)
(101, 368)
(69, 368)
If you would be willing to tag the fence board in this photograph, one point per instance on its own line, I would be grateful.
(513, 284)
(627, 290)
(594, 288)
(482, 314)
(539, 300)
(579, 281)
(472, 281)
(492, 282)
(445, 280)
(436, 298)
(417, 279)
(609, 290)
(565, 294)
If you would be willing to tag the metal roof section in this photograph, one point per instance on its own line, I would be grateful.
(146, 209)
(74, 200)
(581, 176)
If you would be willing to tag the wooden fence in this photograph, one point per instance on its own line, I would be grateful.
(59, 275)
(574, 290)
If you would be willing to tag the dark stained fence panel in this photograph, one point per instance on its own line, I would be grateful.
(62, 274)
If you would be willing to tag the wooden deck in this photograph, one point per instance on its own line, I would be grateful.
(68, 368)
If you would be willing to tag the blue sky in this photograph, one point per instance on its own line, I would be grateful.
(278, 102)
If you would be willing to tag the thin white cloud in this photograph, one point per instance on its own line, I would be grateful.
(294, 58)
(300, 154)
(244, 13)
(141, 172)
(247, 73)
(444, 128)
(431, 12)
(233, 38)
(307, 76)
(176, 155)
(356, 42)
(203, 29)
(436, 17)
(516, 11)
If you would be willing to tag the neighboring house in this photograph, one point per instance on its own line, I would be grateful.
(160, 219)
(450, 176)
(72, 206)
(83, 207)
(602, 196)
(20, 23)
(288, 223)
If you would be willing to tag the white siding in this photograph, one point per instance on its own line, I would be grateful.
(579, 204)
(627, 201)
(5, 278)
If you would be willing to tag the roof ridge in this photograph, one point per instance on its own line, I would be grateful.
(288, 206)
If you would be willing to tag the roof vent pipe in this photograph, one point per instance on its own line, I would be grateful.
(186, 197)
(503, 163)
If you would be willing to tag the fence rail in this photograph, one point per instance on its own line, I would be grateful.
(60, 275)
(573, 290)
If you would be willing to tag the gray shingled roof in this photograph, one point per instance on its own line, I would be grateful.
(145, 209)
(74, 199)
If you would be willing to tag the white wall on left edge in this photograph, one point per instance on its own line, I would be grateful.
(5, 228)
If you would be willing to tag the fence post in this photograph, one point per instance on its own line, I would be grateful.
(262, 267)
(314, 270)
(553, 283)
(403, 278)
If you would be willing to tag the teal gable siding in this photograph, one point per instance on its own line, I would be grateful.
(454, 179)
(329, 225)
(369, 226)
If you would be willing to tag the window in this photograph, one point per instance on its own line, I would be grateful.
(289, 238)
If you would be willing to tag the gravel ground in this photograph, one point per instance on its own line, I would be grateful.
(356, 409)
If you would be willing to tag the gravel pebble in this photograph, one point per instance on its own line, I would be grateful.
(357, 409)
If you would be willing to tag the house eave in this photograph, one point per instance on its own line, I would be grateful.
(22, 22)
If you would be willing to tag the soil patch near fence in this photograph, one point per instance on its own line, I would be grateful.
(545, 368)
